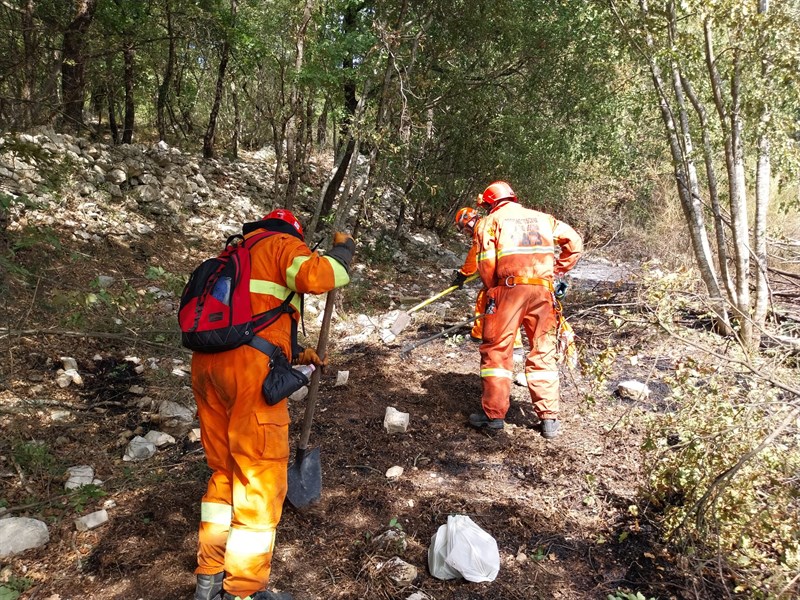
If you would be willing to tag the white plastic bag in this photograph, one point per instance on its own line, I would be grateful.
(463, 548)
(437, 553)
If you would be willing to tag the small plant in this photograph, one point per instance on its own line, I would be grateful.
(14, 586)
(395, 524)
(85, 494)
(34, 458)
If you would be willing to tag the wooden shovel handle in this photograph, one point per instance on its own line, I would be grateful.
(313, 386)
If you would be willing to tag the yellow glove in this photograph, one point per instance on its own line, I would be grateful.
(340, 237)
(310, 356)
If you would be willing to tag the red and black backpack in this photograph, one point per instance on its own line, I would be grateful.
(215, 313)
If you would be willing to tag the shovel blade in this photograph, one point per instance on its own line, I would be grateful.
(304, 479)
(402, 321)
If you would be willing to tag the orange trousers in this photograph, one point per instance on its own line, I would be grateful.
(247, 447)
(477, 326)
(529, 306)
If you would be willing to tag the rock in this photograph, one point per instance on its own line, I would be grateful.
(520, 379)
(299, 395)
(69, 363)
(80, 476)
(418, 596)
(394, 472)
(65, 378)
(117, 176)
(395, 421)
(194, 435)
(174, 418)
(387, 337)
(92, 520)
(633, 390)
(104, 281)
(18, 534)
(392, 541)
(159, 438)
(139, 449)
(399, 571)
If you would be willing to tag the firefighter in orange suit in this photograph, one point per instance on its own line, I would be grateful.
(517, 263)
(466, 222)
(247, 441)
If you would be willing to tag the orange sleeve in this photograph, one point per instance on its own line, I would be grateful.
(571, 247)
(471, 262)
(308, 272)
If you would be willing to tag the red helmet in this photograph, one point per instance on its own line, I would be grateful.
(466, 217)
(497, 191)
(287, 216)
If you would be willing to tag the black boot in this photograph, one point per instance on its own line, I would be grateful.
(209, 587)
(481, 420)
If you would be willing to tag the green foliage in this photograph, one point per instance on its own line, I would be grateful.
(707, 499)
(381, 251)
(394, 523)
(34, 458)
(14, 586)
(85, 495)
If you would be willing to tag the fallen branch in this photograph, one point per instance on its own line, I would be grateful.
(7, 332)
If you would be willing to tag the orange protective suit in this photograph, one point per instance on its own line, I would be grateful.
(469, 267)
(517, 263)
(246, 441)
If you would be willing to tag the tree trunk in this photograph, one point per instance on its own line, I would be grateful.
(163, 89)
(29, 62)
(112, 108)
(331, 187)
(208, 138)
(763, 180)
(73, 63)
(237, 120)
(127, 131)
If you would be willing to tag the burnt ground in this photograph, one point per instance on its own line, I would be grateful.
(562, 511)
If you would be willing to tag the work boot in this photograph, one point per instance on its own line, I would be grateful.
(481, 420)
(550, 428)
(262, 595)
(209, 587)
(475, 339)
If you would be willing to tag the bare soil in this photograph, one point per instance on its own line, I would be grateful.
(562, 511)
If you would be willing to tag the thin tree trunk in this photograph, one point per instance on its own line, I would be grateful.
(211, 130)
(29, 62)
(763, 180)
(130, 107)
(694, 217)
(334, 181)
(163, 89)
(237, 120)
(738, 202)
(112, 108)
(73, 63)
(713, 189)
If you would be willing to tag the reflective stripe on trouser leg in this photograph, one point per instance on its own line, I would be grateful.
(248, 553)
(497, 359)
(215, 525)
(541, 366)
(480, 307)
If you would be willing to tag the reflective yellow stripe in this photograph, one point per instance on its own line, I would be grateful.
(526, 250)
(486, 255)
(340, 276)
(294, 269)
(497, 373)
(262, 286)
(244, 541)
(213, 512)
(541, 375)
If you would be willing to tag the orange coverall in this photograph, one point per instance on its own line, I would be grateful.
(517, 263)
(471, 266)
(247, 441)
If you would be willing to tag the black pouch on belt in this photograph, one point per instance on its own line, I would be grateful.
(282, 380)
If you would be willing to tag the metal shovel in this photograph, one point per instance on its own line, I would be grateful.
(305, 475)
(406, 351)
(404, 318)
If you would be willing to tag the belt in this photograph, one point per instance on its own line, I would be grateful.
(511, 281)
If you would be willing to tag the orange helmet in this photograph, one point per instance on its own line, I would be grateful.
(497, 191)
(466, 217)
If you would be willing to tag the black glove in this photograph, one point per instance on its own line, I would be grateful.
(560, 289)
(459, 280)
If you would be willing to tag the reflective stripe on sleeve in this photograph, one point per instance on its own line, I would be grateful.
(245, 541)
(262, 286)
(526, 250)
(541, 375)
(214, 512)
(486, 255)
(497, 373)
(294, 269)
(340, 275)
